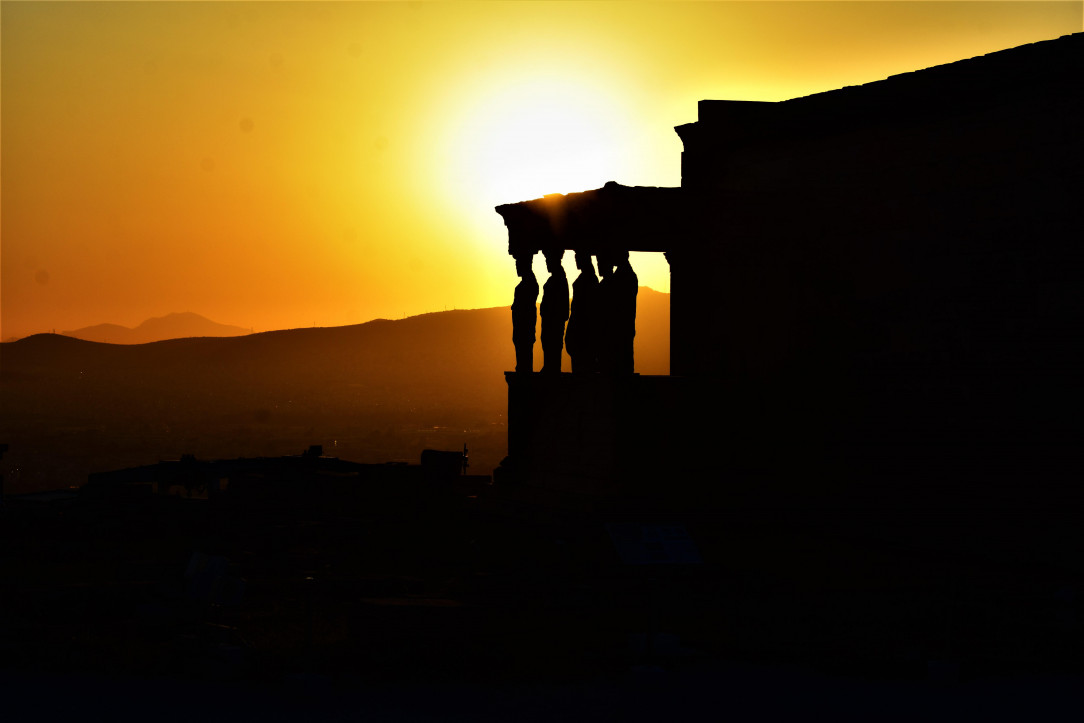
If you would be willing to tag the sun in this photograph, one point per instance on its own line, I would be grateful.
(525, 139)
(526, 134)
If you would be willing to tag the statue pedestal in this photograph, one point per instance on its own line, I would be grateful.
(591, 433)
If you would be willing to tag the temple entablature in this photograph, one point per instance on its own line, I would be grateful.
(610, 219)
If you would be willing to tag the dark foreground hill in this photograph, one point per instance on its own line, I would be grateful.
(371, 392)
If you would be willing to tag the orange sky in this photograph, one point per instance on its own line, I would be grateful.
(274, 165)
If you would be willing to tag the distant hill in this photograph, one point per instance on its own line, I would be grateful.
(372, 392)
(160, 328)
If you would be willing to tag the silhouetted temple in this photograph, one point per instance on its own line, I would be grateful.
(868, 282)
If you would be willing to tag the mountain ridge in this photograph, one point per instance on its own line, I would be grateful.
(175, 325)
(372, 392)
(109, 333)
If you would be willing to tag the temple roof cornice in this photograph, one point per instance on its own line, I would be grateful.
(614, 217)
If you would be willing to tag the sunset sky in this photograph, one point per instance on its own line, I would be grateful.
(278, 164)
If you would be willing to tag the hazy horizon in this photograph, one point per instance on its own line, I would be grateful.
(252, 330)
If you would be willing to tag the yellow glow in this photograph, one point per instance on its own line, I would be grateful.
(273, 164)
(522, 133)
(534, 136)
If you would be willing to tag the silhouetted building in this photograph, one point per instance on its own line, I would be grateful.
(291, 483)
(872, 281)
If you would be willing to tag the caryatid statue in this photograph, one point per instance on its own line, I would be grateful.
(606, 312)
(617, 290)
(626, 287)
(554, 309)
(582, 334)
(524, 314)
